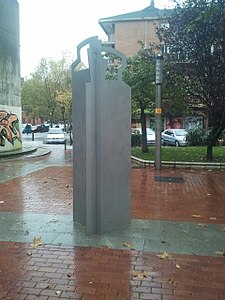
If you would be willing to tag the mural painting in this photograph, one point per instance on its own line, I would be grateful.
(9, 131)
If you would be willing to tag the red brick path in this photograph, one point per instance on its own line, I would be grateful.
(48, 273)
(50, 191)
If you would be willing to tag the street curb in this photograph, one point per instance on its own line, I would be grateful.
(26, 151)
(179, 164)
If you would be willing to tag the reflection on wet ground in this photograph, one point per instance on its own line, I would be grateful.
(181, 220)
(21, 166)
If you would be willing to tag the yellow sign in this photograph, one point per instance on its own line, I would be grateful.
(158, 110)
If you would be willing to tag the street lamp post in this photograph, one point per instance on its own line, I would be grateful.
(158, 110)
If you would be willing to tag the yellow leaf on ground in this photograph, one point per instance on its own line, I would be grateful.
(196, 216)
(128, 245)
(36, 242)
(171, 281)
(165, 255)
(220, 253)
(203, 225)
(140, 275)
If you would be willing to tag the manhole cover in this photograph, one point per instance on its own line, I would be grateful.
(169, 179)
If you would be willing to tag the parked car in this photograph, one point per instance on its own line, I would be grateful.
(55, 136)
(27, 129)
(174, 137)
(41, 128)
(150, 135)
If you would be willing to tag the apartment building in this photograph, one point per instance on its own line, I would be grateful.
(124, 31)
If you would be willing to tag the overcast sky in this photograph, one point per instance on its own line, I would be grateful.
(50, 27)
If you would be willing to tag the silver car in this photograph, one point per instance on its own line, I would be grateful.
(174, 137)
(55, 136)
(150, 135)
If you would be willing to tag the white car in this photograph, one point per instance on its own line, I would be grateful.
(150, 135)
(55, 136)
(174, 137)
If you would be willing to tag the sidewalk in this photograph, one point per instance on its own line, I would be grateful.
(179, 213)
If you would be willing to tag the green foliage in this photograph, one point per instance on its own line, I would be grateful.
(48, 92)
(140, 76)
(136, 140)
(196, 39)
(197, 137)
(175, 96)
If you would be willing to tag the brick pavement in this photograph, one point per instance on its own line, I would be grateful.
(58, 272)
(50, 272)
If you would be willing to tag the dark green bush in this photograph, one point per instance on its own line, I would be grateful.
(135, 140)
(197, 137)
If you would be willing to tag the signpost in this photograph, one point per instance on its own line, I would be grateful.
(158, 110)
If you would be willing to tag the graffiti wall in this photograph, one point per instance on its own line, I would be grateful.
(10, 136)
(10, 80)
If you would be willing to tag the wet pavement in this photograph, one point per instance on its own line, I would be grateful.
(174, 247)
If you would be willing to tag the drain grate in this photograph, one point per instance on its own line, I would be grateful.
(169, 179)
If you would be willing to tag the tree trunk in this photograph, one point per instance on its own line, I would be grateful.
(143, 128)
(209, 154)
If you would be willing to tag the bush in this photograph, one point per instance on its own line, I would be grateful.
(197, 137)
(135, 140)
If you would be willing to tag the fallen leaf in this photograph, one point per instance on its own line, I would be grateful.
(203, 225)
(208, 194)
(212, 218)
(58, 293)
(29, 253)
(69, 274)
(196, 216)
(177, 266)
(45, 181)
(171, 281)
(140, 275)
(2, 202)
(104, 247)
(67, 185)
(128, 245)
(53, 221)
(36, 242)
(220, 253)
(165, 255)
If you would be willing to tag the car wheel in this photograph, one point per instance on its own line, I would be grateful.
(177, 144)
(163, 142)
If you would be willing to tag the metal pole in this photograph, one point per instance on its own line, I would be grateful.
(158, 111)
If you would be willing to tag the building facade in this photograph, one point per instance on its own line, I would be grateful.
(125, 31)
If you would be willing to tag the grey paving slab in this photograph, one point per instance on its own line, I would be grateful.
(156, 236)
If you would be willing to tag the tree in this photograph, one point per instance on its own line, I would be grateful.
(196, 40)
(47, 94)
(140, 76)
